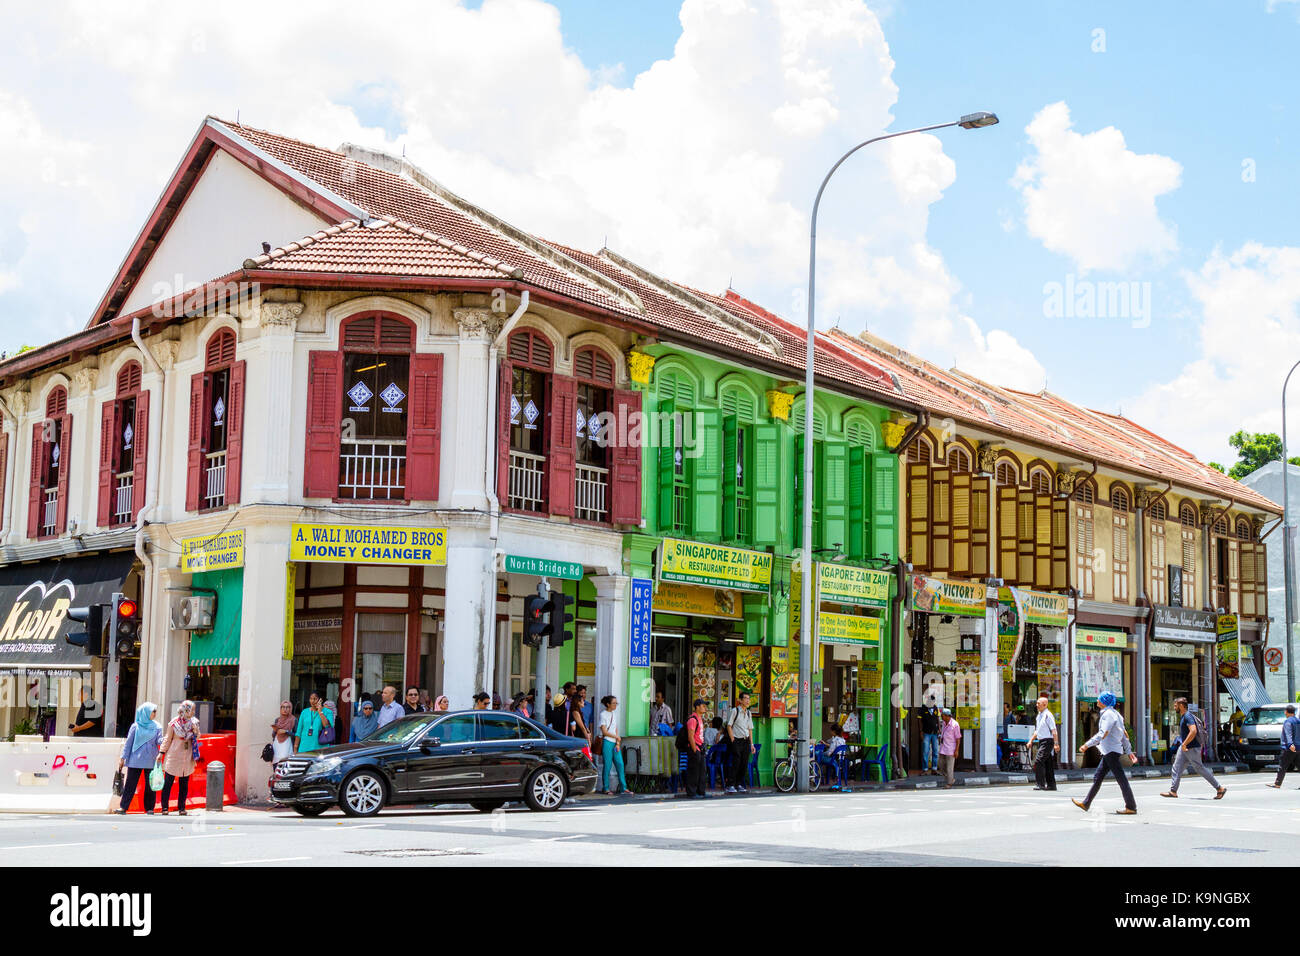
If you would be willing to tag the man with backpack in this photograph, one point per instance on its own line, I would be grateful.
(740, 731)
(692, 735)
(1187, 750)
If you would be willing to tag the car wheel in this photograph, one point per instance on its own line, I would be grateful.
(487, 806)
(362, 794)
(546, 789)
(310, 809)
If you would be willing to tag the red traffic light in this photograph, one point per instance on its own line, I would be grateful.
(126, 608)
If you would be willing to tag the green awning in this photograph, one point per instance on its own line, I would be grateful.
(221, 644)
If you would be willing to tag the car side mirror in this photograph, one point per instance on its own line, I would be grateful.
(429, 744)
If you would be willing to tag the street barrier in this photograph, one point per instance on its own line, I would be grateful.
(212, 748)
(68, 774)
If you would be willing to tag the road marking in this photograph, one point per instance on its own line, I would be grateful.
(275, 859)
(205, 836)
(41, 846)
(354, 826)
(676, 829)
(571, 836)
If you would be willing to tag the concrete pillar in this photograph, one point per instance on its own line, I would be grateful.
(166, 652)
(270, 385)
(261, 653)
(469, 637)
(612, 597)
(478, 327)
(990, 689)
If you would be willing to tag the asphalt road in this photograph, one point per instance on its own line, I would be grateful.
(1008, 825)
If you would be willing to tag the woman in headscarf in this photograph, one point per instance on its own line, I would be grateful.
(282, 733)
(179, 753)
(442, 703)
(139, 754)
(1112, 740)
(365, 723)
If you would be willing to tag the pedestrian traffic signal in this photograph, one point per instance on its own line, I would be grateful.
(561, 619)
(92, 638)
(537, 618)
(125, 627)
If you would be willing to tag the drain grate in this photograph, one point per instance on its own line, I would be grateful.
(415, 851)
(1228, 849)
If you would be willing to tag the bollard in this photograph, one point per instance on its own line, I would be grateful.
(215, 785)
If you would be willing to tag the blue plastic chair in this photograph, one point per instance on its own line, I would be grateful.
(874, 757)
(752, 770)
(839, 763)
(716, 761)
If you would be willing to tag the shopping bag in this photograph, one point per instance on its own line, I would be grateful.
(117, 784)
(156, 778)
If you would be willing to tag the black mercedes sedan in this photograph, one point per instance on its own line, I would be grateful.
(480, 757)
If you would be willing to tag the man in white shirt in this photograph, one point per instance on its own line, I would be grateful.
(740, 731)
(391, 709)
(1049, 745)
(660, 713)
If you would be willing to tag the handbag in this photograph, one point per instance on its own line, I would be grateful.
(157, 778)
(117, 783)
(268, 753)
(326, 733)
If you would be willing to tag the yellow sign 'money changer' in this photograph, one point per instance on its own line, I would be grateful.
(356, 544)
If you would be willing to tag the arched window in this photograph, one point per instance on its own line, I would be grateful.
(1244, 532)
(920, 451)
(123, 449)
(1119, 498)
(594, 371)
(1040, 481)
(1221, 526)
(1085, 492)
(959, 459)
(739, 425)
(47, 506)
(216, 437)
(858, 431)
(1159, 510)
(1006, 473)
(1187, 514)
(530, 359)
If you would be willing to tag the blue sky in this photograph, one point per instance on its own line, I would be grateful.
(691, 136)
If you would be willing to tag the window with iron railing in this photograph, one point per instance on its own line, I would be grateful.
(50, 512)
(372, 453)
(528, 439)
(214, 479)
(123, 495)
(591, 478)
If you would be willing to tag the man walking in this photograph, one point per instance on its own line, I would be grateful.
(740, 730)
(929, 717)
(1049, 745)
(1188, 752)
(697, 780)
(1113, 743)
(1289, 758)
(391, 709)
(950, 736)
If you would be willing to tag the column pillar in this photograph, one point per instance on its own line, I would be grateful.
(261, 654)
(478, 327)
(469, 635)
(612, 596)
(990, 689)
(166, 654)
(269, 385)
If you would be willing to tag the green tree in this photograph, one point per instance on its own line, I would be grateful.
(1254, 449)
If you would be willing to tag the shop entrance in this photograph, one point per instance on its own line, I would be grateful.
(381, 653)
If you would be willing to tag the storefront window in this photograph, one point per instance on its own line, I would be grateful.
(381, 652)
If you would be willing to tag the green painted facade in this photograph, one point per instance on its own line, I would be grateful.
(718, 468)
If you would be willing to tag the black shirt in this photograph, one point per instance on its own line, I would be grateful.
(97, 723)
(1185, 727)
(929, 720)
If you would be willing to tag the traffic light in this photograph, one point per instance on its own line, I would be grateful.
(537, 617)
(92, 638)
(124, 631)
(561, 619)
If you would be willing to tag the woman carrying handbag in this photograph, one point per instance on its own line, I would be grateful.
(139, 754)
(179, 753)
(1116, 752)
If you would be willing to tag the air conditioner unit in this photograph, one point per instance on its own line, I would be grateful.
(193, 612)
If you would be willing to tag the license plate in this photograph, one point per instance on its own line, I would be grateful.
(283, 784)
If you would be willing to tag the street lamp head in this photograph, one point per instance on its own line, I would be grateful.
(977, 120)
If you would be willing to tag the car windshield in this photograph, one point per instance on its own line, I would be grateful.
(1265, 716)
(401, 731)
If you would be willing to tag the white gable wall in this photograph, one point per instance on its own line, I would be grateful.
(227, 216)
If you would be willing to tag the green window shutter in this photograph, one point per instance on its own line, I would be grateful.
(835, 493)
(706, 488)
(766, 484)
(667, 445)
(729, 504)
(797, 485)
(856, 545)
(884, 504)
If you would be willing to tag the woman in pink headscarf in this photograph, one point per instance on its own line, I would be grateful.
(282, 733)
(179, 753)
(442, 703)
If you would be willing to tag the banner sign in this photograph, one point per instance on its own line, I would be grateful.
(1101, 637)
(784, 681)
(1043, 609)
(941, 596)
(856, 630)
(359, 544)
(699, 602)
(1096, 671)
(863, 587)
(713, 565)
(543, 567)
(222, 552)
(639, 636)
(967, 697)
(871, 676)
(1049, 678)
(749, 674)
(1229, 647)
(1183, 624)
(290, 591)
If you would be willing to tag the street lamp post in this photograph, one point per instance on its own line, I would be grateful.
(807, 620)
(1287, 545)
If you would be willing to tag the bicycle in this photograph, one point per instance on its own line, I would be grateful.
(784, 771)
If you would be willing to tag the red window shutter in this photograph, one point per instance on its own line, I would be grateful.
(140, 460)
(563, 449)
(625, 478)
(235, 437)
(34, 489)
(107, 434)
(324, 381)
(194, 463)
(505, 386)
(424, 428)
(65, 473)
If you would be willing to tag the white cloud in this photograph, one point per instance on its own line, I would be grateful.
(703, 168)
(1249, 338)
(1089, 197)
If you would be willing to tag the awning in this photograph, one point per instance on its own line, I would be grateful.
(1247, 690)
(34, 602)
(220, 646)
